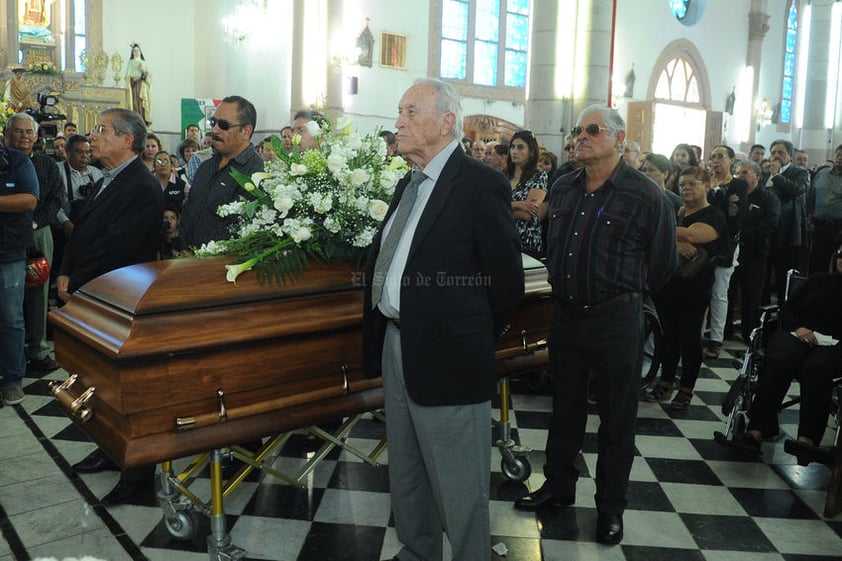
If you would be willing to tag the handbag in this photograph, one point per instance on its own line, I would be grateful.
(689, 268)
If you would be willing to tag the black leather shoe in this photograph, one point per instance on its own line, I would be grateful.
(96, 462)
(609, 528)
(125, 492)
(544, 498)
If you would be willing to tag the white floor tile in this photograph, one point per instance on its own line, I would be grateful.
(806, 537)
(702, 499)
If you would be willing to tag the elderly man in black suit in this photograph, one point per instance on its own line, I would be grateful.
(790, 184)
(120, 225)
(445, 276)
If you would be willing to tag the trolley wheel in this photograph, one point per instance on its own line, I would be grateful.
(183, 524)
(516, 469)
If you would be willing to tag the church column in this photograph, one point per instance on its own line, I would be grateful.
(814, 135)
(758, 27)
(333, 69)
(9, 30)
(297, 73)
(570, 55)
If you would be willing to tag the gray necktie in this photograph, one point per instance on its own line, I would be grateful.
(390, 244)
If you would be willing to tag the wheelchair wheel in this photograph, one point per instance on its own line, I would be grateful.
(651, 349)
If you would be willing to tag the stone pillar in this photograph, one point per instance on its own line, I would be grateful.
(570, 55)
(297, 69)
(333, 82)
(758, 27)
(814, 136)
(547, 107)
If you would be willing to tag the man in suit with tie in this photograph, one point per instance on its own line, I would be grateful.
(121, 224)
(444, 278)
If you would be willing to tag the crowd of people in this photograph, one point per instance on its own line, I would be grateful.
(614, 224)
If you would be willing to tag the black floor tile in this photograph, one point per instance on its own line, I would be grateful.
(697, 411)
(657, 427)
(648, 495)
(534, 419)
(303, 446)
(567, 523)
(72, 433)
(799, 557)
(520, 549)
(728, 533)
(709, 449)
(161, 538)
(341, 542)
(51, 409)
(641, 553)
(772, 503)
(503, 489)
(695, 472)
(358, 476)
(285, 501)
(712, 399)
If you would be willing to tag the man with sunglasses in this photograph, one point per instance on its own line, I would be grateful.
(611, 242)
(231, 128)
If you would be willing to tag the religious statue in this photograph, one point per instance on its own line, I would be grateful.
(34, 12)
(139, 82)
(729, 102)
(630, 78)
(18, 97)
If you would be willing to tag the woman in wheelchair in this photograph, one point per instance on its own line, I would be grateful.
(682, 303)
(802, 349)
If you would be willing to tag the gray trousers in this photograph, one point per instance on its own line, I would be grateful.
(439, 469)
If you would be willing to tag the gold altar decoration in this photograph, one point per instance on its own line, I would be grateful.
(94, 64)
(117, 68)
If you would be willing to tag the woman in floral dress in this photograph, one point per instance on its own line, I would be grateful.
(529, 189)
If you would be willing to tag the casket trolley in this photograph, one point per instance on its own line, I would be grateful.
(167, 360)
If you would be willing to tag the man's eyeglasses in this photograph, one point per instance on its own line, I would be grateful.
(162, 160)
(223, 124)
(100, 129)
(838, 254)
(591, 130)
(718, 156)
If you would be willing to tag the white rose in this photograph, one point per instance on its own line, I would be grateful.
(314, 129)
(388, 180)
(359, 177)
(377, 209)
(297, 169)
(301, 234)
(282, 205)
(335, 163)
(355, 142)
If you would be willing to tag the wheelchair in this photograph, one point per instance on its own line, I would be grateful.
(736, 406)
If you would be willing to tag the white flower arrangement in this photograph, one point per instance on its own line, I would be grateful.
(325, 203)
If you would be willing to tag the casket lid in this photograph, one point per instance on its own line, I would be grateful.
(181, 284)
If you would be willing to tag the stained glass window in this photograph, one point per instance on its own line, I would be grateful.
(485, 42)
(789, 63)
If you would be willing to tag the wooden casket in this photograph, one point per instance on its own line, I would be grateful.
(168, 359)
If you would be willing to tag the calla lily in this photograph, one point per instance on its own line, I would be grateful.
(344, 123)
(249, 187)
(235, 270)
(259, 176)
(396, 163)
(296, 139)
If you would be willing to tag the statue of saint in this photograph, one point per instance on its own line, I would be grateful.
(18, 96)
(139, 82)
(630, 78)
(729, 102)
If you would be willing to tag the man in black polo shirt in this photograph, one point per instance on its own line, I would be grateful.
(611, 241)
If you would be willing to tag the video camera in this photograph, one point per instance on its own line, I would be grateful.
(45, 116)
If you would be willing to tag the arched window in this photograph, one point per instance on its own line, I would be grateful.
(481, 45)
(678, 82)
(791, 46)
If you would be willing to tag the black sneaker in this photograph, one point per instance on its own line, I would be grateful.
(42, 366)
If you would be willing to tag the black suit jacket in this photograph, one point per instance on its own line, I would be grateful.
(120, 227)
(463, 282)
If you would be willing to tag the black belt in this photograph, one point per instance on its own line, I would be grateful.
(592, 310)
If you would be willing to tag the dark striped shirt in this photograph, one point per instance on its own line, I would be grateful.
(620, 238)
(50, 188)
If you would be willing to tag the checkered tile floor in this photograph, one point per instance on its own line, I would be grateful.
(689, 498)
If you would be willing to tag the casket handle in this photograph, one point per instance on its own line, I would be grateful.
(79, 407)
(528, 347)
(346, 383)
